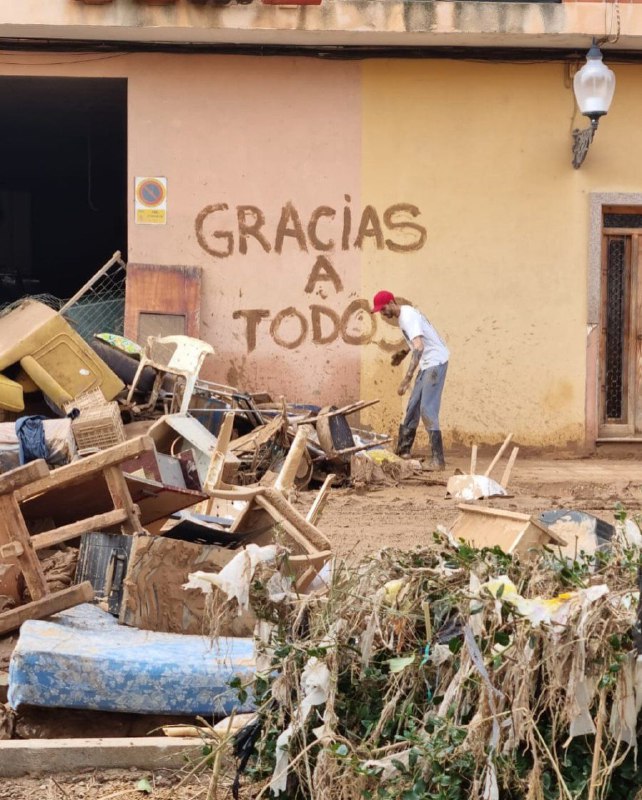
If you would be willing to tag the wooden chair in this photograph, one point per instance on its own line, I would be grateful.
(258, 509)
(16, 546)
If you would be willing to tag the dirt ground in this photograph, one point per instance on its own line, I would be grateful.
(360, 522)
(405, 516)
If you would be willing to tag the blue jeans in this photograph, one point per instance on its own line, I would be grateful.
(425, 398)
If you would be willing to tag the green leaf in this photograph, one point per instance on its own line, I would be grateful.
(455, 645)
(399, 664)
(144, 785)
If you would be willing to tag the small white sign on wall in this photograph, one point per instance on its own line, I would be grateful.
(150, 201)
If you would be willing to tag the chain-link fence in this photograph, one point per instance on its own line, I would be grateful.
(98, 307)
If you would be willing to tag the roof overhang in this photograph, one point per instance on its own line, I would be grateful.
(342, 23)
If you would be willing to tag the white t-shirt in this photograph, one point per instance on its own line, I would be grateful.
(413, 323)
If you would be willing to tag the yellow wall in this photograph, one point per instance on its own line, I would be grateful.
(484, 150)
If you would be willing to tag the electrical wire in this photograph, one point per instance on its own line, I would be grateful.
(62, 63)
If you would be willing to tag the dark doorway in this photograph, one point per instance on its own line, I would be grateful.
(63, 182)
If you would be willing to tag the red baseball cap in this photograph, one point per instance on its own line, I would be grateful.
(380, 300)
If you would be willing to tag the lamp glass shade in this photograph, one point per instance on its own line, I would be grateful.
(594, 85)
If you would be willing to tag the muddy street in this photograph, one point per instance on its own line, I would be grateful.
(357, 522)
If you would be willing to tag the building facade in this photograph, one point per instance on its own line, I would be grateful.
(301, 166)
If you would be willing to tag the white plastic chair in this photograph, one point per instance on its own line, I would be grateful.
(181, 356)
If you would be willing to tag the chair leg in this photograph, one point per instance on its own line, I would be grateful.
(188, 391)
(153, 397)
(132, 388)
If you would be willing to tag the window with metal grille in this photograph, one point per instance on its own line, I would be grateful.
(615, 328)
(615, 220)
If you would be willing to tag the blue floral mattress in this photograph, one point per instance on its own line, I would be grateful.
(82, 658)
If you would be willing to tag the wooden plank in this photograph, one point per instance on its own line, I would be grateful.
(352, 408)
(80, 471)
(238, 492)
(308, 536)
(122, 499)
(316, 509)
(513, 532)
(490, 530)
(50, 756)
(316, 558)
(154, 598)
(535, 535)
(493, 512)
(315, 562)
(252, 521)
(45, 606)
(156, 501)
(288, 472)
(21, 476)
(11, 550)
(98, 522)
(302, 583)
(14, 530)
(509, 467)
(259, 436)
(303, 545)
(348, 450)
(500, 452)
(217, 463)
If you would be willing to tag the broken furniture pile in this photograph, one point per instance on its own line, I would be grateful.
(120, 505)
(451, 672)
(122, 471)
(92, 385)
(124, 519)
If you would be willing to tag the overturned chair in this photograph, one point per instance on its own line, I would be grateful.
(253, 513)
(179, 356)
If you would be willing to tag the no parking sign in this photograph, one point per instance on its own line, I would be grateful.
(150, 201)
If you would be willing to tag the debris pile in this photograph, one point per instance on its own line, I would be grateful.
(451, 672)
(501, 661)
(122, 471)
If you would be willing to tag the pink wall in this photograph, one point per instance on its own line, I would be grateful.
(259, 132)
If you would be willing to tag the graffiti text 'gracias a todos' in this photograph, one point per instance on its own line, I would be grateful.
(326, 230)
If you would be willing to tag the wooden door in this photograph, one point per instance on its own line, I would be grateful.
(621, 326)
(160, 301)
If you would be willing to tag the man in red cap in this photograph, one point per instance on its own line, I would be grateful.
(430, 355)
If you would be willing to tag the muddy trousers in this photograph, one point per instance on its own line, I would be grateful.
(423, 405)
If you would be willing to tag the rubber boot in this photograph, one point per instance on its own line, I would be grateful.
(405, 441)
(437, 462)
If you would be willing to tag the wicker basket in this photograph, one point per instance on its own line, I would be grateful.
(92, 398)
(99, 425)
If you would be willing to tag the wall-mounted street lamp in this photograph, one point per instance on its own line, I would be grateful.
(593, 85)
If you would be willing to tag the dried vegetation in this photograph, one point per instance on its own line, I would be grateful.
(450, 673)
